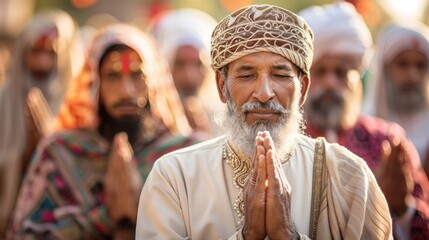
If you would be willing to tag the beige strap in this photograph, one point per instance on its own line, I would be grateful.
(319, 162)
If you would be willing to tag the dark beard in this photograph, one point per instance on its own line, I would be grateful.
(108, 127)
(325, 109)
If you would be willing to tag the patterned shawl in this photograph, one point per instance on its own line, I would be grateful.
(62, 196)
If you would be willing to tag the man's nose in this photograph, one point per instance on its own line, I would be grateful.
(46, 63)
(330, 80)
(414, 75)
(126, 88)
(264, 90)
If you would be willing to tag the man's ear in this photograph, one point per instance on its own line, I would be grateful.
(220, 84)
(305, 85)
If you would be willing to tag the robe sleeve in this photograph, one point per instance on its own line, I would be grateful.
(160, 215)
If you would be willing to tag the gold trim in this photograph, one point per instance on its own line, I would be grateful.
(241, 165)
(319, 160)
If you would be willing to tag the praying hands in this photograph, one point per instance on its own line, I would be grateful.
(267, 195)
(122, 181)
(394, 176)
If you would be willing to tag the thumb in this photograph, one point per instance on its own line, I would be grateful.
(386, 150)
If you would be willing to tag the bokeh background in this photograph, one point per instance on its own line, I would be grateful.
(96, 13)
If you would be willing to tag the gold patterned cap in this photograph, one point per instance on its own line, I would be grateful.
(262, 28)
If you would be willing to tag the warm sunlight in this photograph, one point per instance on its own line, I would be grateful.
(411, 9)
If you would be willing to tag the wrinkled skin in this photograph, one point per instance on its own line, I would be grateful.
(267, 202)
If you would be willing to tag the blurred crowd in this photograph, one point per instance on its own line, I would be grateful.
(86, 112)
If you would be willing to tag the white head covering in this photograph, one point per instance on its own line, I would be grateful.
(181, 27)
(393, 40)
(338, 29)
(13, 93)
(176, 28)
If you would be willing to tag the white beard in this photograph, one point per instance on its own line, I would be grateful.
(405, 103)
(283, 132)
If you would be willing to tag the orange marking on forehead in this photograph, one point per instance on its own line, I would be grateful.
(125, 60)
(46, 39)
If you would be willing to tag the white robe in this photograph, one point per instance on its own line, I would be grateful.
(190, 194)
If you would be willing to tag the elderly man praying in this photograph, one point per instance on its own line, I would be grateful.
(263, 178)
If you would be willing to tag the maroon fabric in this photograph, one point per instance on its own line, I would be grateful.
(365, 140)
(419, 227)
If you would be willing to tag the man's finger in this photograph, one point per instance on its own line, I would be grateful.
(275, 173)
(258, 142)
(253, 175)
(262, 174)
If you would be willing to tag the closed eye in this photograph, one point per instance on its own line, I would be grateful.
(283, 76)
(246, 76)
(112, 75)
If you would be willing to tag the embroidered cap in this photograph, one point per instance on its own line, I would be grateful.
(262, 28)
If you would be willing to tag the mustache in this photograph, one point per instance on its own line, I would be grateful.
(324, 97)
(410, 86)
(126, 102)
(277, 107)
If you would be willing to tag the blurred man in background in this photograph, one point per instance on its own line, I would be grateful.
(121, 115)
(342, 45)
(183, 36)
(398, 84)
(44, 59)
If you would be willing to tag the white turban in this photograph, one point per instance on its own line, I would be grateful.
(398, 38)
(181, 27)
(338, 29)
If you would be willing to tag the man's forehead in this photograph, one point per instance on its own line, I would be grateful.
(262, 58)
(415, 54)
(124, 61)
(340, 59)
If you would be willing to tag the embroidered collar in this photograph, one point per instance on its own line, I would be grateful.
(241, 165)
